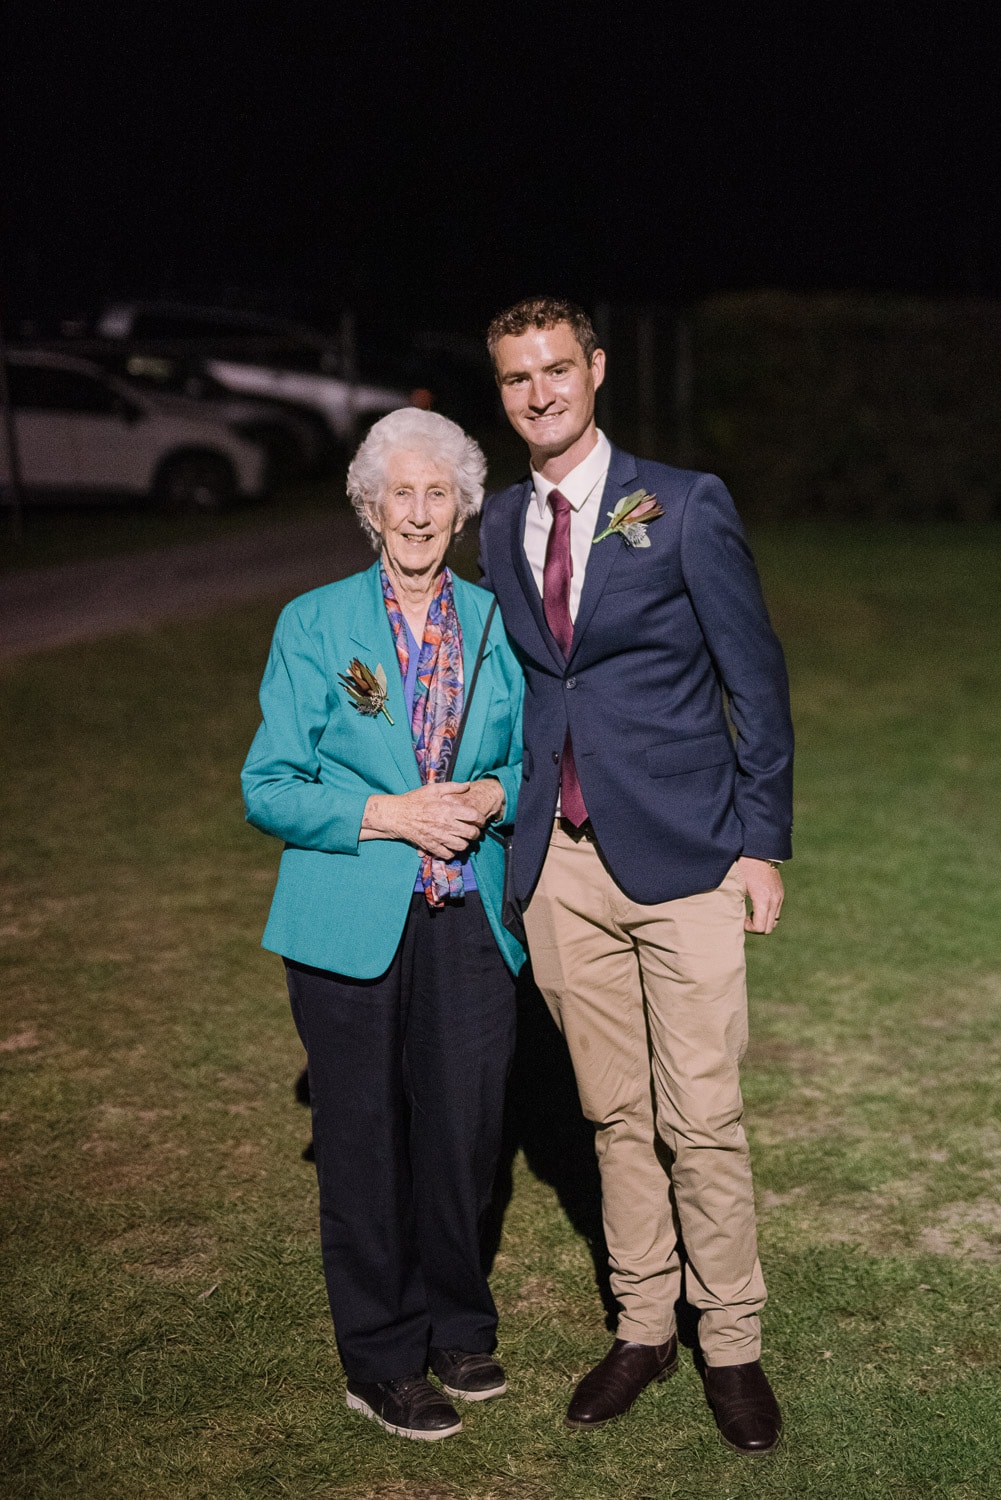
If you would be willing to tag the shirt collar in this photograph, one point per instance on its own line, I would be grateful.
(579, 484)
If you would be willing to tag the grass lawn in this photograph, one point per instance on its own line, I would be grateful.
(68, 533)
(165, 1331)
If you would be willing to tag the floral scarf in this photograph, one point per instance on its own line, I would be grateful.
(437, 709)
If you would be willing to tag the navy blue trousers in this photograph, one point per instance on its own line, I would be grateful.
(406, 1083)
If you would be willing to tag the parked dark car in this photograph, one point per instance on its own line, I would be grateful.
(261, 357)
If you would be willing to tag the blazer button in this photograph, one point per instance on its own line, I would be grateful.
(571, 682)
(556, 757)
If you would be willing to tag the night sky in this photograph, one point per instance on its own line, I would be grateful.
(428, 163)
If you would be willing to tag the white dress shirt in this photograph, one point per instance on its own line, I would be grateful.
(583, 487)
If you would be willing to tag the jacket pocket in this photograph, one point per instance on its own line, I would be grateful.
(698, 754)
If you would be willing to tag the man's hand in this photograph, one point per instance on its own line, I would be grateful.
(765, 892)
(442, 819)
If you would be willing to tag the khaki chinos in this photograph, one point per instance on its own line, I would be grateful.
(652, 1001)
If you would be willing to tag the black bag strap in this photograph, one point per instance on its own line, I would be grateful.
(469, 692)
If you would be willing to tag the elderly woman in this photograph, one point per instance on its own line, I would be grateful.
(387, 914)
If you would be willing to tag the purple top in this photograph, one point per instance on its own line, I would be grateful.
(409, 686)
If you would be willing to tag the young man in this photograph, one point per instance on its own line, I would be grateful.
(643, 827)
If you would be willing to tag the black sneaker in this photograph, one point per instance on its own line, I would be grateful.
(411, 1407)
(470, 1377)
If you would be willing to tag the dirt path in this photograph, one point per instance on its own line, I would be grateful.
(43, 608)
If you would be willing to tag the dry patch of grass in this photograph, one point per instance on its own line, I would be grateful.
(534, 1294)
(21, 1041)
(967, 1230)
(407, 1490)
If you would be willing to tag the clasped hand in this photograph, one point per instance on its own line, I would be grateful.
(441, 819)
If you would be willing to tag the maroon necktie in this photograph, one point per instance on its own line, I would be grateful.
(556, 607)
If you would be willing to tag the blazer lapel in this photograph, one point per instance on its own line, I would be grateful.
(372, 632)
(471, 619)
(622, 474)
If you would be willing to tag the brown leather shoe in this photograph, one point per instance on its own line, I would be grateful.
(611, 1387)
(744, 1405)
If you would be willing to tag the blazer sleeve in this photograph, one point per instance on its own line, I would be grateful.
(282, 790)
(725, 591)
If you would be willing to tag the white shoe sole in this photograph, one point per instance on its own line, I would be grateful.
(355, 1403)
(453, 1390)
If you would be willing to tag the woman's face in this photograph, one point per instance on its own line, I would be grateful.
(416, 517)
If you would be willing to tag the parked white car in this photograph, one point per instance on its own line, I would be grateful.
(259, 356)
(81, 433)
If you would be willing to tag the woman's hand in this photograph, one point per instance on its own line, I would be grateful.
(442, 819)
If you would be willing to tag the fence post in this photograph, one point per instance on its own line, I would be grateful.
(646, 377)
(13, 453)
(349, 368)
(603, 333)
(684, 381)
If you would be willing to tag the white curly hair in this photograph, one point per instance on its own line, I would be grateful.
(413, 430)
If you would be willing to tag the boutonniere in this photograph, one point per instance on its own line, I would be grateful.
(628, 519)
(367, 690)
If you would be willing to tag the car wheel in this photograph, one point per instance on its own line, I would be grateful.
(202, 482)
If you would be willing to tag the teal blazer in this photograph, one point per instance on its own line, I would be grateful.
(340, 903)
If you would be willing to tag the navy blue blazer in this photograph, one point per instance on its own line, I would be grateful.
(672, 646)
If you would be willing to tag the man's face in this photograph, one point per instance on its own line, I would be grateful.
(547, 387)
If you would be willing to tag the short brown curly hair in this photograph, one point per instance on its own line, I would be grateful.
(542, 312)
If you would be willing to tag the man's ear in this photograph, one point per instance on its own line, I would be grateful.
(598, 367)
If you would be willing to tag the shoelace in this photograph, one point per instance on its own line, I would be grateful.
(404, 1383)
(417, 1387)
